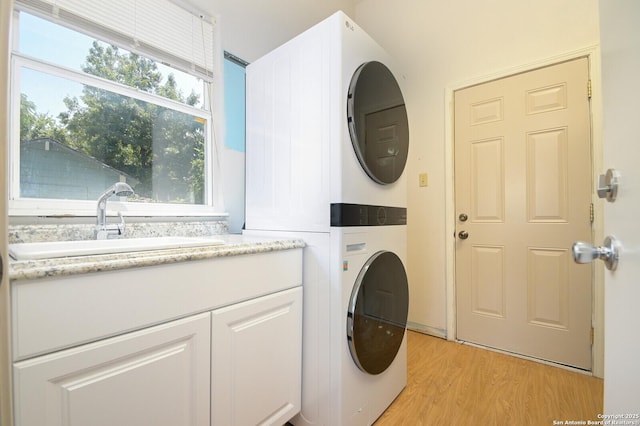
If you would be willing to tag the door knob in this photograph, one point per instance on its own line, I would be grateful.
(463, 235)
(609, 252)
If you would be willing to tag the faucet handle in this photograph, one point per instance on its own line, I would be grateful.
(121, 226)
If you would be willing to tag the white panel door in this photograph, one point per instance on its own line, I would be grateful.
(158, 376)
(256, 360)
(523, 184)
(620, 35)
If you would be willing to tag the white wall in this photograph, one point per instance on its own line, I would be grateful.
(441, 44)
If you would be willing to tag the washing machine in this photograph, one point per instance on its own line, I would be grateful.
(355, 305)
(326, 124)
(327, 143)
(371, 371)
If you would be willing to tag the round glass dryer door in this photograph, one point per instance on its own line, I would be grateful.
(378, 309)
(377, 120)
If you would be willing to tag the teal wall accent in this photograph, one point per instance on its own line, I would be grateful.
(234, 105)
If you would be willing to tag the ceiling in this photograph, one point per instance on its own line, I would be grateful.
(251, 28)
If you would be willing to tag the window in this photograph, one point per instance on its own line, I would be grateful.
(95, 104)
(234, 141)
(234, 100)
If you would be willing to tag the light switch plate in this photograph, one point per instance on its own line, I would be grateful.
(423, 179)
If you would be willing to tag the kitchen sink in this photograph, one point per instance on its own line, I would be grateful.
(57, 249)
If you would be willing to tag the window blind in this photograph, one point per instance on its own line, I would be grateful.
(159, 29)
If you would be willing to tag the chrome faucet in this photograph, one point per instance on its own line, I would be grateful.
(104, 231)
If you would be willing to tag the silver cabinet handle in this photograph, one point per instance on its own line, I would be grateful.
(609, 252)
(608, 185)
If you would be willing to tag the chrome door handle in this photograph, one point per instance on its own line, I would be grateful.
(463, 235)
(609, 252)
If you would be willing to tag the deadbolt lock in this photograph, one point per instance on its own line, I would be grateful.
(608, 185)
(463, 217)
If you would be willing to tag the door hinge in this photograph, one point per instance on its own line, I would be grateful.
(589, 91)
(591, 213)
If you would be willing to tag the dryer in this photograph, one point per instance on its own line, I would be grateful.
(326, 125)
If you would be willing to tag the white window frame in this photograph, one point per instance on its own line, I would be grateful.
(18, 206)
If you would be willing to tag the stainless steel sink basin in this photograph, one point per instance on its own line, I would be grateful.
(57, 249)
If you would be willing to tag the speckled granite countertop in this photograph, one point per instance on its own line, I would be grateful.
(234, 245)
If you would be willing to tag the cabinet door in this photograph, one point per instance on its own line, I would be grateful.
(256, 360)
(156, 376)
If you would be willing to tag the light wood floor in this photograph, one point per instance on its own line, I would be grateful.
(454, 384)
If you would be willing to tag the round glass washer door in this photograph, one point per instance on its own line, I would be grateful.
(377, 121)
(378, 309)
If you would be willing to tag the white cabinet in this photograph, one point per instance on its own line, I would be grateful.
(156, 376)
(209, 342)
(256, 360)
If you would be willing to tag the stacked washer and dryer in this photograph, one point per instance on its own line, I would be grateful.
(327, 142)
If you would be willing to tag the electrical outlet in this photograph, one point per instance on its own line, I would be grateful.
(423, 179)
